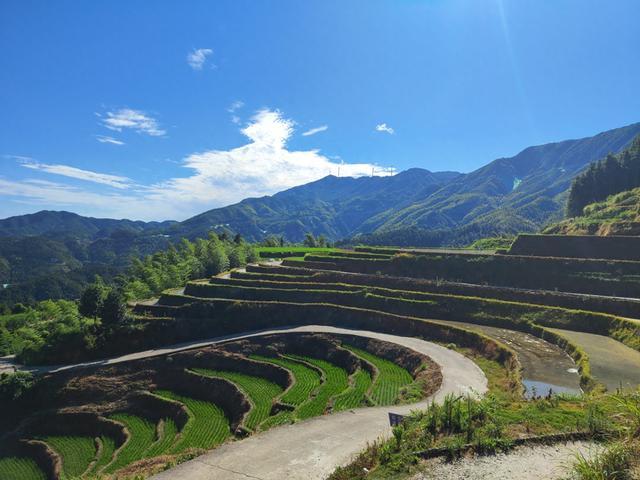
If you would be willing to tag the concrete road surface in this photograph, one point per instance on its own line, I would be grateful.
(310, 450)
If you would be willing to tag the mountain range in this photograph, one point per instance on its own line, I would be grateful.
(522, 193)
(51, 254)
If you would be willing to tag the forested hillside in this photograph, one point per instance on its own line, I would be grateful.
(613, 174)
(619, 214)
(507, 196)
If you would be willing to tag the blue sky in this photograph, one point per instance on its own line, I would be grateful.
(156, 110)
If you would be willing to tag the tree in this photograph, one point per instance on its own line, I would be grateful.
(91, 299)
(237, 239)
(322, 241)
(217, 260)
(310, 240)
(237, 257)
(114, 311)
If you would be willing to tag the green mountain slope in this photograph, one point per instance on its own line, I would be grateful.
(619, 214)
(613, 174)
(509, 195)
(335, 207)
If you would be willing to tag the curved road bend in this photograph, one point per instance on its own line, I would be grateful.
(310, 450)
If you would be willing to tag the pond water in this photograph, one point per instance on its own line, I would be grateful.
(612, 363)
(545, 367)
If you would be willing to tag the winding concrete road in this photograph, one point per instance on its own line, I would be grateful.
(311, 450)
(308, 450)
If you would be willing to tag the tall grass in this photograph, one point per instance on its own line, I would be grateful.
(612, 464)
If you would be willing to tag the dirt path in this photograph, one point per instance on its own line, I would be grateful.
(310, 450)
(612, 362)
(550, 462)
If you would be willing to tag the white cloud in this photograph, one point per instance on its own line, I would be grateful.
(236, 105)
(86, 175)
(383, 127)
(134, 119)
(107, 139)
(198, 57)
(20, 158)
(262, 166)
(313, 131)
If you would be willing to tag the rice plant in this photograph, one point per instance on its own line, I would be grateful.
(108, 448)
(207, 425)
(142, 435)
(166, 436)
(76, 453)
(260, 391)
(335, 382)
(389, 380)
(306, 380)
(20, 468)
(355, 395)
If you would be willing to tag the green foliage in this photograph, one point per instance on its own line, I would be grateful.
(260, 391)
(142, 436)
(613, 174)
(113, 312)
(311, 241)
(207, 426)
(20, 468)
(51, 328)
(492, 243)
(614, 216)
(76, 452)
(389, 381)
(13, 386)
(175, 266)
(92, 299)
(611, 464)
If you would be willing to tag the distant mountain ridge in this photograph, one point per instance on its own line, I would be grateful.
(332, 206)
(49, 222)
(522, 193)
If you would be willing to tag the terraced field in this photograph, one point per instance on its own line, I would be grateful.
(20, 468)
(260, 391)
(142, 436)
(335, 381)
(356, 394)
(207, 425)
(76, 453)
(283, 388)
(344, 289)
(306, 380)
(389, 380)
(107, 450)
